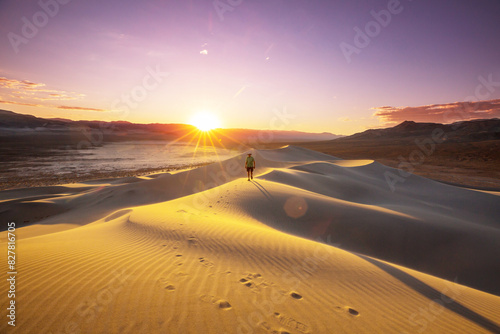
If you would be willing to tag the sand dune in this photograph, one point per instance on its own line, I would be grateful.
(314, 244)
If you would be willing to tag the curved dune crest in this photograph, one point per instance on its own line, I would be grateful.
(353, 163)
(313, 244)
(291, 153)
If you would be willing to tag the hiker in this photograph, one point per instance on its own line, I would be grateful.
(250, 165)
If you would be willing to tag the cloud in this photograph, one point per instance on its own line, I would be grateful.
(20, 103)
(50, 97)
(17, 84)
(24, 89)
(440, 113)
(58, 107)
(81, 108)
(27, 93)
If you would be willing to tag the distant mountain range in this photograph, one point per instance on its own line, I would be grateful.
(16, 128)
(464, 131)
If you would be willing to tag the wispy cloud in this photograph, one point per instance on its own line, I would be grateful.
(81, 108)
(24, 89)
(18, 84)
(440, 113)
(20, 103)
(27, 93)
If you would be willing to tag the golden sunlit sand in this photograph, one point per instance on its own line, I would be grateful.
(206, 251)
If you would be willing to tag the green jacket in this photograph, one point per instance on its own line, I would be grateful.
(249, 162)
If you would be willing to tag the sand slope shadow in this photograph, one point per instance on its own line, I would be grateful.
(434, 295)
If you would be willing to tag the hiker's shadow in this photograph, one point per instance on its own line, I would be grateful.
(434, 295)
(263, 190)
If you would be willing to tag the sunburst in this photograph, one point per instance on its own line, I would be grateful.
(205, 121)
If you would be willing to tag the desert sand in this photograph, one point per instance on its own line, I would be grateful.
(314, 244)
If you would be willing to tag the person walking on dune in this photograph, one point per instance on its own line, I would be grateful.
(250, 166)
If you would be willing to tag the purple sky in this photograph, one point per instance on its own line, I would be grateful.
(253, 64)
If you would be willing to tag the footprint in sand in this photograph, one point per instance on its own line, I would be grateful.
(255, 282)
(192, 241)
(247, 281)
(171, 246)
(352, 311)
(347, 309)
(291, 323)
(171, 280)
(218, 302)
(206, 262)
(223, 304)
(166, 284)
(295, 295)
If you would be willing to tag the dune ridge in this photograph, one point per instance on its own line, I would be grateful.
(314, 244)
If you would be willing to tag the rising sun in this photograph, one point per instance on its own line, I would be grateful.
(204, 121)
